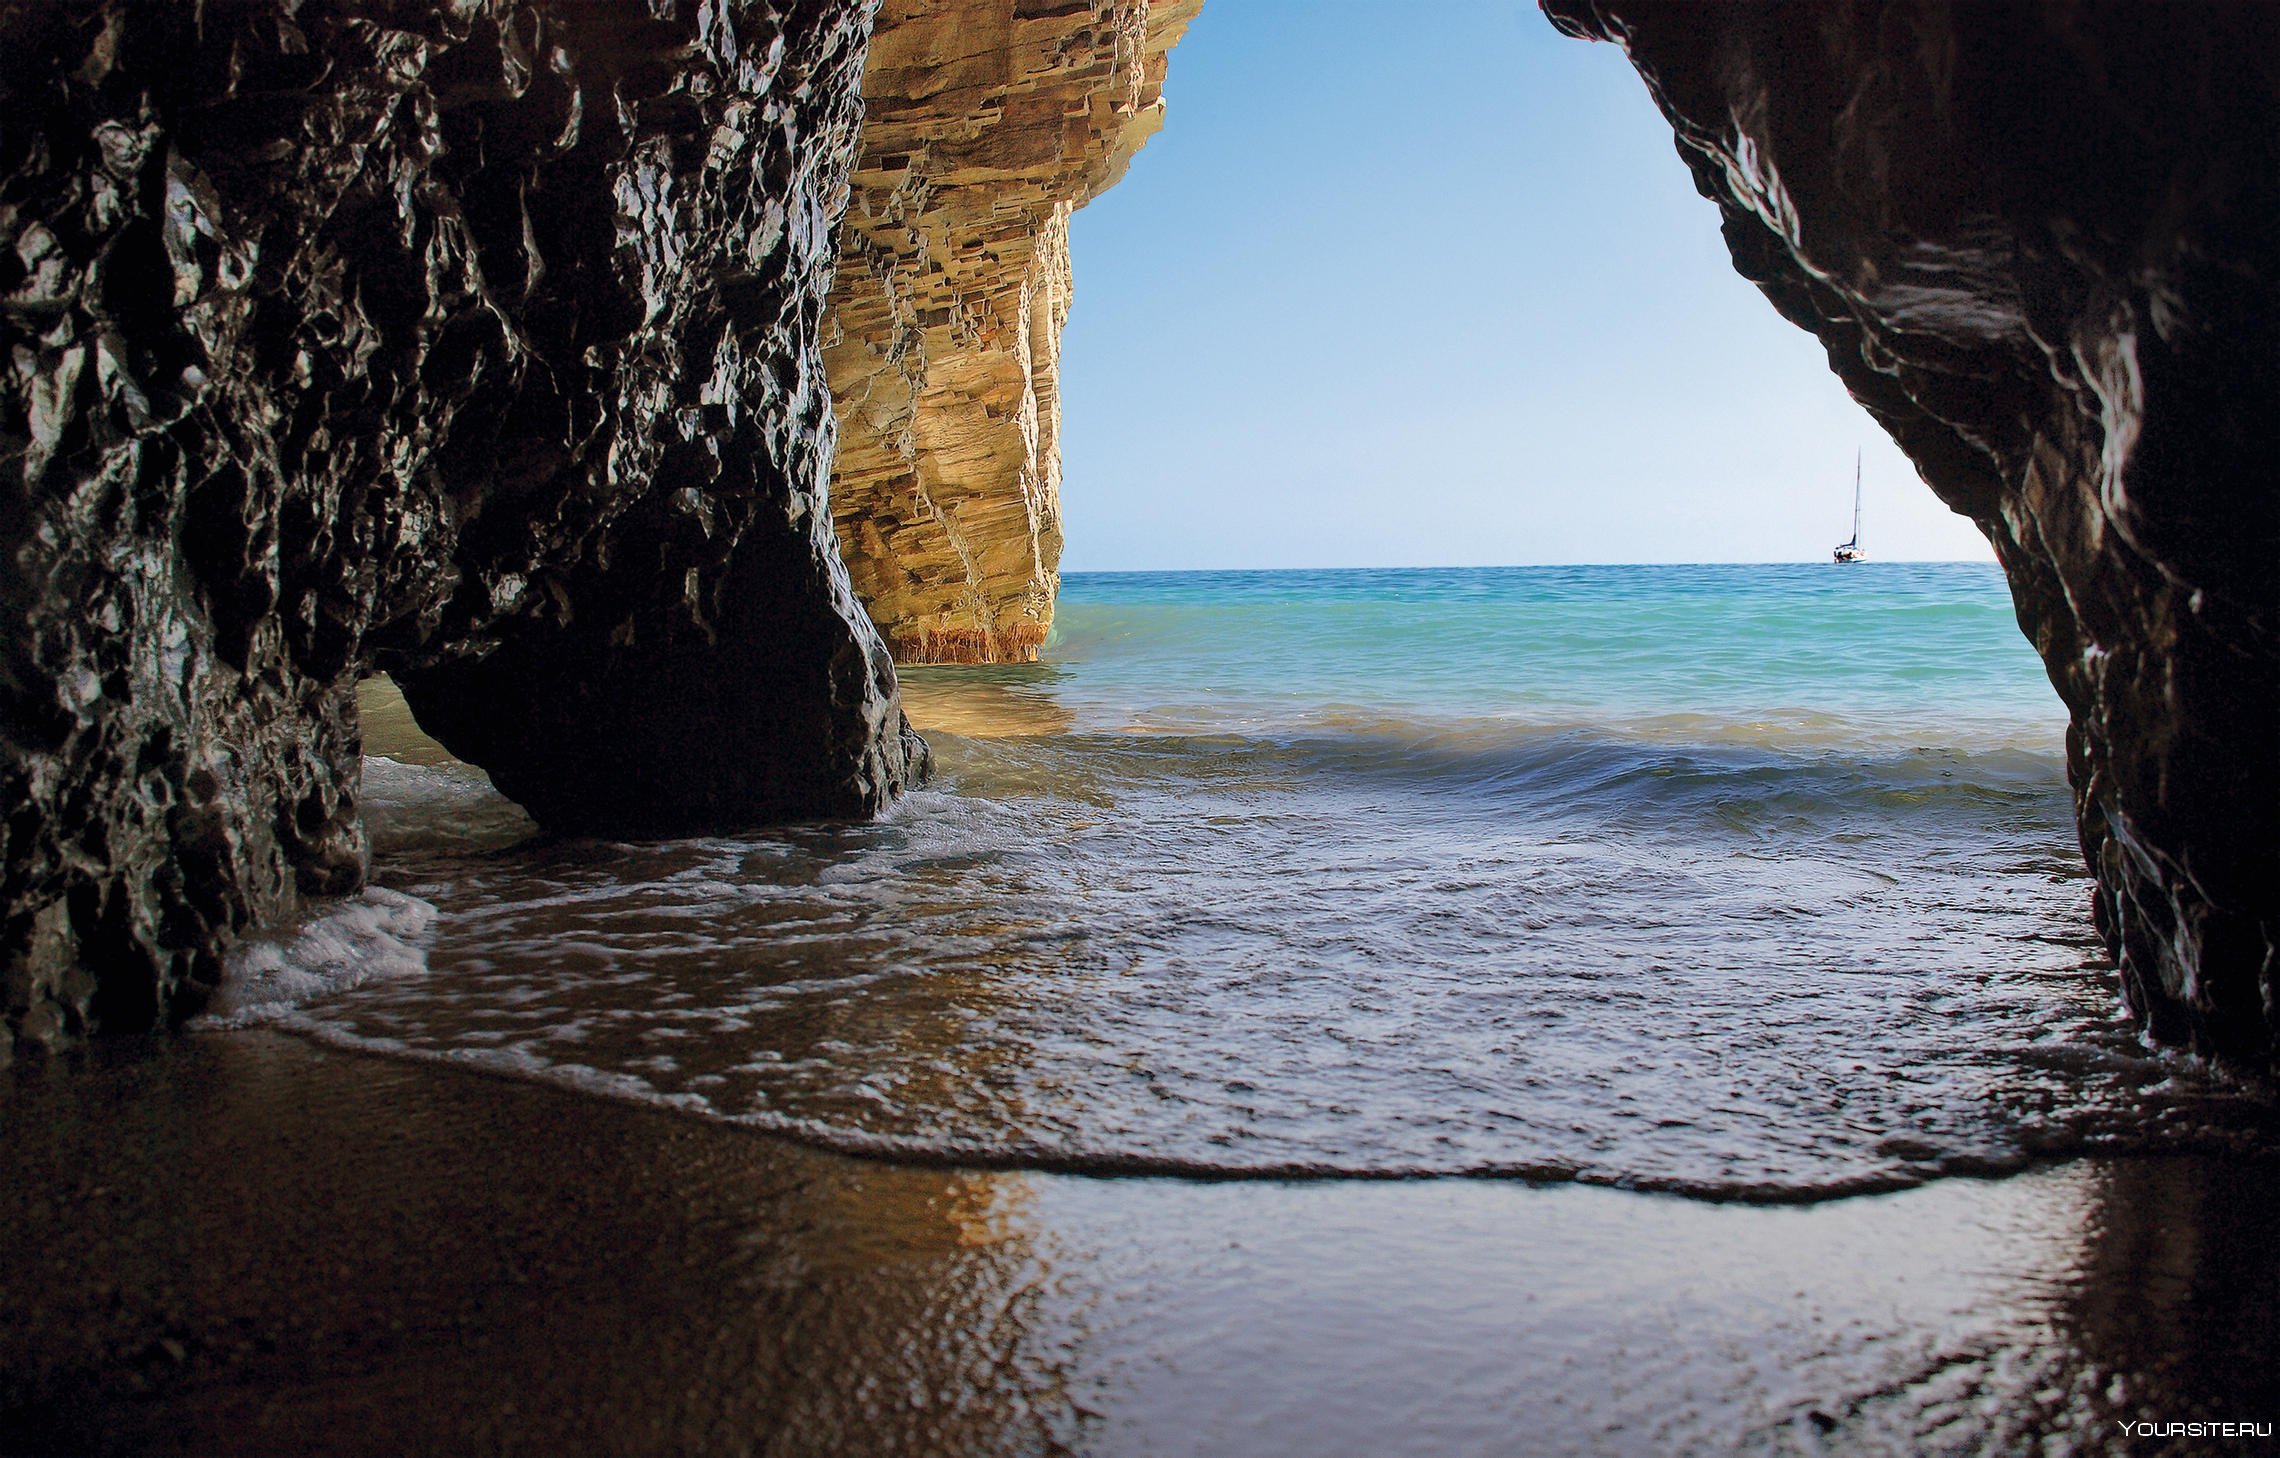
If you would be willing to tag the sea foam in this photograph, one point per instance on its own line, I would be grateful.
(378, 934)
(1745, 883)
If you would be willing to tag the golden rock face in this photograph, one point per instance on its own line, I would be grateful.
(988, 122)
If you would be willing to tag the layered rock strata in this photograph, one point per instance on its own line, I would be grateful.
(476, 342)
(989, 122)
(2041, 243)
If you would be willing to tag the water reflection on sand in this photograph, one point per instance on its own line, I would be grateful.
(247, 1245)
(240, 1242)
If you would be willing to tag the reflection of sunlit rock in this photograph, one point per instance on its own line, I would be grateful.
(985, 704)
(643, 1282)
(986, 124)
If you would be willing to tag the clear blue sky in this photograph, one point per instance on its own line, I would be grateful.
(1426, 284)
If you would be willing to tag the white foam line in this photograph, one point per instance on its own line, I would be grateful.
(1018, 1155)
(377, 934)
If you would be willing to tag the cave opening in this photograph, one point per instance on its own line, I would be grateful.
(1335, 948)
(1310, 393)
(1312, 777)
(1485, 319)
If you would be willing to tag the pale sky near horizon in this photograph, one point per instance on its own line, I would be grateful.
(1425, 285)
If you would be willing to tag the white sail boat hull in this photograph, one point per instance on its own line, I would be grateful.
(1850, 551)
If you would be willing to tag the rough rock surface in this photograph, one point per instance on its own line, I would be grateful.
(476, 342)
(988, 123)
(2041, 244)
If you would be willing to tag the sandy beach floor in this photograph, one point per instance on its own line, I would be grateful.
(243, 1243)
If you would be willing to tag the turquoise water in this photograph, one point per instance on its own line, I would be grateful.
(1740, 882)
(1896, 652)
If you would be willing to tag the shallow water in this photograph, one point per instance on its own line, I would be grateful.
(1738, 882)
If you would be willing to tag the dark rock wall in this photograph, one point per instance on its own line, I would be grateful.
(2040, 242)
(471, 341)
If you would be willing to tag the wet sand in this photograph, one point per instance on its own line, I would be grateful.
(243, 1243)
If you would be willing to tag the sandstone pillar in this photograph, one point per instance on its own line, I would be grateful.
(988, 122)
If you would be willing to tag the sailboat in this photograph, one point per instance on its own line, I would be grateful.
(1850, 551)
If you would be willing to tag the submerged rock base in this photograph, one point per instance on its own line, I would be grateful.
(2041, 243)
(476, 342)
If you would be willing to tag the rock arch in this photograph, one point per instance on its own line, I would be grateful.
(478, 343)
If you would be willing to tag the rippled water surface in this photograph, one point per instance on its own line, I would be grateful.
(1741, 881)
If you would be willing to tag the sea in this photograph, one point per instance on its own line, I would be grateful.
(1752, 883)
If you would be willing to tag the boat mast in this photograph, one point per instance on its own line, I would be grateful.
(1856, 497)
